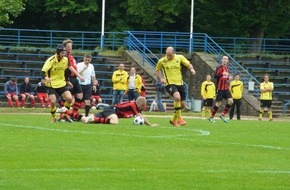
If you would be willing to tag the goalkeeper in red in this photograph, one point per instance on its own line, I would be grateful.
(171, 64)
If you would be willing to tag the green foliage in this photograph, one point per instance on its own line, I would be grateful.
(36, 154)
(9, 9)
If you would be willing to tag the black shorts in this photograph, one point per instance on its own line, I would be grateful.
(106, 112)
(266, 103)
(87, 91)
(223, 94)
(172, 88)
(208, 102)
(76, 86)
(57, 91)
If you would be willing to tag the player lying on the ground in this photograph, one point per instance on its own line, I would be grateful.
(111, 114)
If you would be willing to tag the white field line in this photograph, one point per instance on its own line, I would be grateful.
(133, 170)
(196, 132)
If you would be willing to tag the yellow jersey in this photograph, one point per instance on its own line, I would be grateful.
(119, 80)
(266, 95)
(208, 90)
(55, 70)
(236, 88)
(172, 68)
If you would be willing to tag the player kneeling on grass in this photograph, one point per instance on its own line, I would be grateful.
(111, 114)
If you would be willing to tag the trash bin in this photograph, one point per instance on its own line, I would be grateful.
(196, 105)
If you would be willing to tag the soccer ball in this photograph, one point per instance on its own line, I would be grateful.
(138, 120)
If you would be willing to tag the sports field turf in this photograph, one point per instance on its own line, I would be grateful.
(246, 154)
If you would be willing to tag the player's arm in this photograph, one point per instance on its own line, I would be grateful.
(115, 78)
(76, 73)
(146, 122)
(191, 69)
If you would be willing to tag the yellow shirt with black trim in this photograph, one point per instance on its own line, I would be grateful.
(119, 80)
(172, 68)
(208, 90)
(266, 95)
(236, 88)
(55, 70)
(138, 82)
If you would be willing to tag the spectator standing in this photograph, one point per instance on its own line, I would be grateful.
(11, 92)
(223, 92)
(208, 93)
(56, 77)
(119, 80)
(236, 88)
(41, 93)
(26, 92)
(170, 64)
(87, 71)
(134, 84)
(160, 90)
(266, 97)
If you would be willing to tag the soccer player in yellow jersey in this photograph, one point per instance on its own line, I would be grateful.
(119, 80)
(208, 93)
(55, 74)
(170, 64)
(266, 88)
(236, 88)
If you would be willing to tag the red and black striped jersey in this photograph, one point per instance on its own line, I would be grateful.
(222, 80)
(72, 62)
(127, 109)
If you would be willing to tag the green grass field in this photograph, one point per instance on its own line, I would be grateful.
(246, 154)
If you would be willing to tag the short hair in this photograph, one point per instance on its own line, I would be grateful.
(67, 41)
(141, 101)
(87, 56)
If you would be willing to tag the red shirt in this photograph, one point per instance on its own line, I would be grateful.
(72, 62)
(222, 80)
(127, 109)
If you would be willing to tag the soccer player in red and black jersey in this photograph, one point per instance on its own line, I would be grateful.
(223, 92)
(74, 85)
(111, 114)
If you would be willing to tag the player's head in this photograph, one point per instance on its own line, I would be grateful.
(170, 53)
(60, 50)
(132, 71)
(266, 77)
(87, 58)
(225, 60)
(237, 76)
(13, 80)
(141, 102)
(68, 45)
(121, 66)
(208, 77)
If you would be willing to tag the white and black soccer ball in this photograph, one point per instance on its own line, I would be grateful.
(139, 120)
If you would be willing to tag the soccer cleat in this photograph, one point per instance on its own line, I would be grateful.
(174, 123)
(224, 119)
(68, 118)
(181, 122)
(93, 107)
(61, 110)
(89, 119)
(211, 119)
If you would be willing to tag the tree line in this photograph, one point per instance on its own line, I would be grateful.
(240, 18)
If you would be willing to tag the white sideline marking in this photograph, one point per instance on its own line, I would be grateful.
(200, 132)
(143, 170)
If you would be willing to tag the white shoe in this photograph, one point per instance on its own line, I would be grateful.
(102, 106)
(93, 107)
(89, 119)
(61, 110)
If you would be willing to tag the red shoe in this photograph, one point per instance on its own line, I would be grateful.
(174, 123)
(181, 122)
